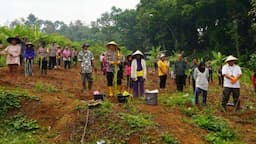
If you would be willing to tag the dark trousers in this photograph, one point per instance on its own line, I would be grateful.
(162, 81)
(67, 64)
(110, 78)
(194, 85)
(138, 87)
(180, 82)
(226, 94)
(52, 62)
(43, 66)
(87, 77)
(129, 81)
(198, 91)
(221, 79)
(210, 79)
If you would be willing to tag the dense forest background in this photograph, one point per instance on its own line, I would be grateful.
(196, 27)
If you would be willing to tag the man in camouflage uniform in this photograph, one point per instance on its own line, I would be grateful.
(85, 57)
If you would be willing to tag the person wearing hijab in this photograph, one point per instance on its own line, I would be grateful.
(138, 73)
(162, 70)
(201, 75)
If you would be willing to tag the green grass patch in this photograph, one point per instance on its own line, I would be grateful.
(40, 87)
(177, 99)
(167, 138)
(138, 121)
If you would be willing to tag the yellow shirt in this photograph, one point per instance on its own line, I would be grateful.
(162, 67)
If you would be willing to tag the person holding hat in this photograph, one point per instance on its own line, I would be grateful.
(201, 75)
(13, 52)
(113, 59)
(43, 56)
(232, 74)
(52, 55)
(86, 58)
(67, 57)
(162, 70)
(138, 73)
(29, 54)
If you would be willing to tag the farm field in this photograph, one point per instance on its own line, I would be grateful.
(54, 110)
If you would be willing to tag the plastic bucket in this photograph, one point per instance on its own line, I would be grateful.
(98, 97)
(151, 98)
(122, 99)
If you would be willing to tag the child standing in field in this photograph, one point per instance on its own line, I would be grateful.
(254, 80)
(42, 55)
(201, 75)
(138, 73)
(128, 71)
(29, 54)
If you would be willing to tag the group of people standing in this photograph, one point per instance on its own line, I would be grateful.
(113, 65)
(19, 51)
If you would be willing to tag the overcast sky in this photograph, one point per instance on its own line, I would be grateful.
(63, 10)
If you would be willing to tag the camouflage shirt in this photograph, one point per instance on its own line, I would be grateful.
(86, 57)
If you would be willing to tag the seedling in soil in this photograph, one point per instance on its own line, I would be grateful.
(168, 139)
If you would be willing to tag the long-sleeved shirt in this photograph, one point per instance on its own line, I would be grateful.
(67, 55)
(29, 53)
(180, 68)
(134, 69)
(42, 52)
(162, 67)
(13, 54)
(201, 78)
(52, 51)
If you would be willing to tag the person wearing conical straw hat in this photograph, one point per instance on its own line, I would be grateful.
(138, 73)
(232, 74)
(162, 70)
(113, 60)
(29, 54)
(13, 52)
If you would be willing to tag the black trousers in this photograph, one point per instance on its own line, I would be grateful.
(67, 64)
(52, 62)
(163, 79)
(110, 78)
(180, 82)
(193, 85)
(226, 94)
(43, 66)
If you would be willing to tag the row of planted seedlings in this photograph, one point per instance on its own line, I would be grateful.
(218, 129)
(119, 124)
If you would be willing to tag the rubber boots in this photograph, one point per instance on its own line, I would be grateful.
(111, 91)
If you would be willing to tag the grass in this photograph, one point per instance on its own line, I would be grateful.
(40, 87)
(138, 121)
(167, 138)
(177, 99)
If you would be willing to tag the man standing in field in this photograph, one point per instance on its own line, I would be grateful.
(232, 74)
(179, 72)
(52, 56)
(85, 57)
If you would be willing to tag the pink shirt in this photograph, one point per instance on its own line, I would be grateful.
(66, 54)
(128, 70)
(13, 54)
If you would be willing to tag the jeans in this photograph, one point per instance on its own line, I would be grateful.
(28, 67)
(198, 91)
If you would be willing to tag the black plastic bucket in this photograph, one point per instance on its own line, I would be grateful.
(151, 98)
(99, 97)
(122, 99)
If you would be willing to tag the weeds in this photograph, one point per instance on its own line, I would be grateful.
(175, 100)
(40, 87)
(137, 121)
(168, 139)
(21, 123)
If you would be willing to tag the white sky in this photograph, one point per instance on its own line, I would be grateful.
(63, 10)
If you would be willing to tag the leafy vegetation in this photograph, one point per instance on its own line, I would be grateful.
(40, 87)
(168, 139)
(21, 123)
(137, 121)
(177, 99)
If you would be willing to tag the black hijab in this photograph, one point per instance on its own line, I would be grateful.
(201, 67)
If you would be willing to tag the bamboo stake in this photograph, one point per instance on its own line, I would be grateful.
(85, 127)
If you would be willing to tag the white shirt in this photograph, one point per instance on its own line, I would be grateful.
(231, 71)
(201, 78)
